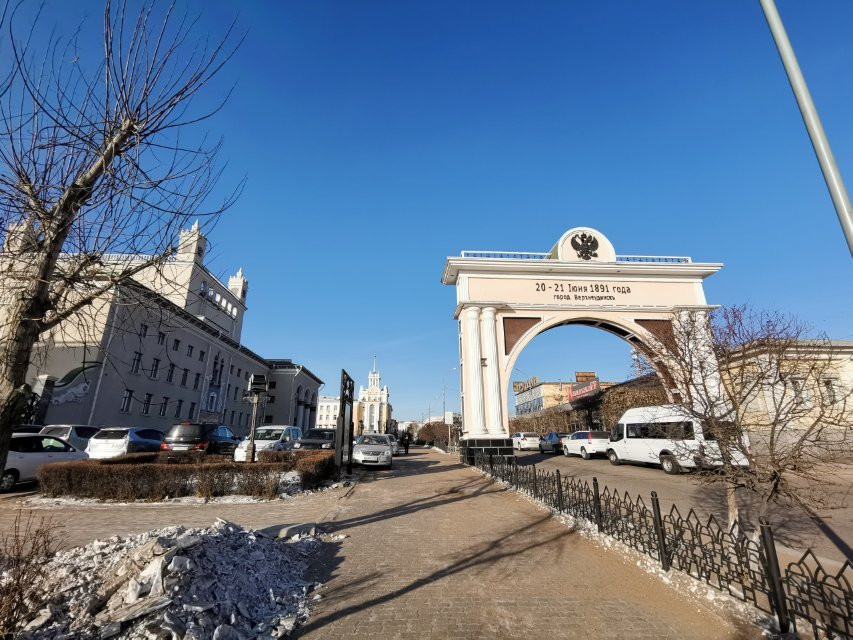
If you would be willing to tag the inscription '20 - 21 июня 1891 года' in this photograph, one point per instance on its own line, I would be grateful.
(591, 291)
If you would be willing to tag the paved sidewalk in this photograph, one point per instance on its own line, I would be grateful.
(435, 550)
(84, 523)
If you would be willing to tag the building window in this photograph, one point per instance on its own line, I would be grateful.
(163, 405)
(239, 371)
(146, 404)
(829, 390)
(271, 384)
(137, 359)
(232, 418)
(247, 376)
(267, 419)
(178, 406)
(197, 381)
(227, 392)
(189, 350)
(126, 400)
(161, 337)
(201, 356)
(143, 330)
(170, 373)
(175, 344)
(211, 402)
(798, 386)
(231, 370)
(155, 368)
(192, 411)
(184, 377)
(236, 390)
(270, 399)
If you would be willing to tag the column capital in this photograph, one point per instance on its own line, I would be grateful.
(472, 312)
(489, 311)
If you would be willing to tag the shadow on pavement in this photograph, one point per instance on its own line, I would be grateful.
(505, 546)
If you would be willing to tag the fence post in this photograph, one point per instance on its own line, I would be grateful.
(491, 465)
(596, 504)
(515, 472)
(559, 492)
(660, 531)
(774, 576)
(535, 493)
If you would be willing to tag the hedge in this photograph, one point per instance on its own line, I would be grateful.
(144, 476)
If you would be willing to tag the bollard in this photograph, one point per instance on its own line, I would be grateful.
(660, 531)
(596, 505)
(774, 576)
(559, 493)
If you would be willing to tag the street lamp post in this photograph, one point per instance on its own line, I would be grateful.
(831, 173)
(257, 391)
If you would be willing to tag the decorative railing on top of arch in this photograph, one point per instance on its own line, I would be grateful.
(527, 255)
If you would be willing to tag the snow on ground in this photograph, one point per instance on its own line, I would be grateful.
(222, 582)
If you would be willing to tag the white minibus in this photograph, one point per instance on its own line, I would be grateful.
(666, 435)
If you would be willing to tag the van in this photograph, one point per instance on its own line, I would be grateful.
(666, 435)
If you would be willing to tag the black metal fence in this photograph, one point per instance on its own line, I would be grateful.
(802, 595)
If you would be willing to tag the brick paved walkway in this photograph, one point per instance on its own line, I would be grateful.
(434, 550)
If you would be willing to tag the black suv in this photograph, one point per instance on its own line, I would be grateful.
(316, 439)
(200, 436)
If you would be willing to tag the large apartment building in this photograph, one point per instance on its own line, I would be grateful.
(166, 348)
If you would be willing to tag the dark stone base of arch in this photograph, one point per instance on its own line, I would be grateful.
(469, 447)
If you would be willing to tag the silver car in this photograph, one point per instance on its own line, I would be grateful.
(373, 449)
(77, 435)
(117, 441)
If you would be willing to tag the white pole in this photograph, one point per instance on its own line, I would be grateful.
(831, 174)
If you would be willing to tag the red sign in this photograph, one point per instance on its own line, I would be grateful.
(582, 390)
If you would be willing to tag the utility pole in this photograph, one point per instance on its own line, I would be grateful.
(831, 173)
(444, 409)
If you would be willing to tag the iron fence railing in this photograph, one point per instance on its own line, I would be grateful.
(804, 594)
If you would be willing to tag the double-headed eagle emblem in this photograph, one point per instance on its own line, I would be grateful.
(586, 246)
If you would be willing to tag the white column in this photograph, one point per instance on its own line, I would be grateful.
(473, 375)
(494, 422)
(300, 410)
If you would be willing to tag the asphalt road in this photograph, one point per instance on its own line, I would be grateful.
(830, 534)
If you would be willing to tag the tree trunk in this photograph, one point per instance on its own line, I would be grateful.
(733, 511)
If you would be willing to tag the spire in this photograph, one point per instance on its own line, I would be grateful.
(374, 363)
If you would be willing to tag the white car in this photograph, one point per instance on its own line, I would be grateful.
(269, 438)
(117, 441)
(525, 440)
(28, 452)
(395, 446)
(586, 443)
(77, 435)
(373, 449)
(668, 436)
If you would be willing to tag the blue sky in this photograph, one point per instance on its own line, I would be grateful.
(380, 137)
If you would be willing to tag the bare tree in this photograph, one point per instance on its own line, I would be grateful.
(772, 396)
(100, 167)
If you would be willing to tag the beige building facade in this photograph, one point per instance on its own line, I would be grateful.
(372, 410)
(162, 349)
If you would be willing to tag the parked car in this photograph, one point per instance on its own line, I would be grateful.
(29, 451)
(27, 428)
(666, 435)
(552, 442)
(77, 435)
(200, 436)
(525, 440)
(395, 445)
(117, 441)
(268, 438)
(316, 439)
(586, 443)
(373, 448)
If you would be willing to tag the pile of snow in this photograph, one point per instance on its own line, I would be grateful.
(222, 582)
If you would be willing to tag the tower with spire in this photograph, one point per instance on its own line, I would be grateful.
(373, 409)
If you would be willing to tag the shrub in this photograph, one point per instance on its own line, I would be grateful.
(143, 477)
(23, 569)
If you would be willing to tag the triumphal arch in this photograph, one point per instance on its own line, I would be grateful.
(505, 299)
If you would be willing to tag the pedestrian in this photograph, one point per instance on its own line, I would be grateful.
(406, 443)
